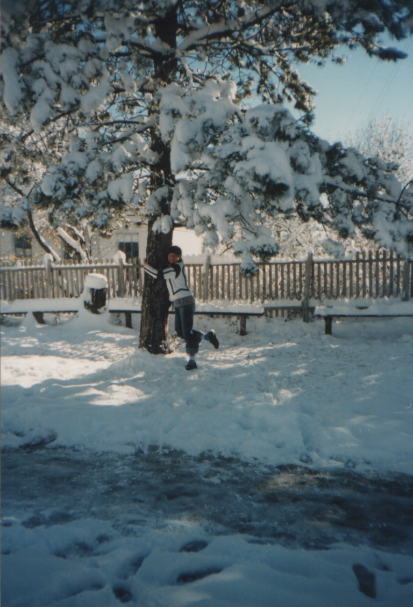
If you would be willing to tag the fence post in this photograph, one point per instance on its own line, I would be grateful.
(121, 278)
(405, 281)
(49, 278)
(11, 279)
(205, 276)
(140, 282)
(307, 288)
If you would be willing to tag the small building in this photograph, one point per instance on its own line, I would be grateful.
(16, 247)
(23, 247)
(132, 242)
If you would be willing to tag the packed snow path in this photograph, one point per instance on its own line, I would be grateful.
(292, 506)
(279, 472)
(142, 529)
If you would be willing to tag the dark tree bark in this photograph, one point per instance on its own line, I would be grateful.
(155, 299)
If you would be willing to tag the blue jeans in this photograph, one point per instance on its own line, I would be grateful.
(184, 321)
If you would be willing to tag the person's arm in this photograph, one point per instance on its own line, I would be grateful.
(172, 272)
(149, 269)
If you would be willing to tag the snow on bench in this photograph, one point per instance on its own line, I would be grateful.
(52, 306)
(357, 308)
(127, 306)
(211, 308)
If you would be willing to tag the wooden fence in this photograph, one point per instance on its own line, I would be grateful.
(369, 275)
(67, 280)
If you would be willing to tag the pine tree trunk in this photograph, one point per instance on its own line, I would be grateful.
(155, 299)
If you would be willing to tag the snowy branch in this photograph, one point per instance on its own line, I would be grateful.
(44, 245)
(74, 244)
(358, 193)
(104, 115)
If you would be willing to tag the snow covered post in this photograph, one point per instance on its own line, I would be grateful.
(121, 279)
(94, 293)
(120, 257)
(140, 279)
(307, 285)
(48, 268)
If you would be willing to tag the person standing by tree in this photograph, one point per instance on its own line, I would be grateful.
(183, 303)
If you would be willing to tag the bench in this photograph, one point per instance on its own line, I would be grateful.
(241, 315)
(242, 311)
(368, 310)
(62, 307)
(127, 307)
(21, 307)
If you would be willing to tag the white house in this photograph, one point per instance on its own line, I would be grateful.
(14, 247)
(132, 241)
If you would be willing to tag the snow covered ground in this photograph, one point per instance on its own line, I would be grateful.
(286, 394)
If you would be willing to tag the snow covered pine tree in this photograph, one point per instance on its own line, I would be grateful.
(117, 104)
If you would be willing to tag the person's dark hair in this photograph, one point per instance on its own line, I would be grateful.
(176, 250)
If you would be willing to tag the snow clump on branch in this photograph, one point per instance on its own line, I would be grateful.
(238, 168)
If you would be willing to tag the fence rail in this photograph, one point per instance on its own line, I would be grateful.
(368, 275)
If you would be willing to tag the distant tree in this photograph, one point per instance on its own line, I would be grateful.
(118, 104)
(388, 140)
(383, 138)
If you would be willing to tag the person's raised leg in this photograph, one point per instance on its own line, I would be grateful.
(211, 336)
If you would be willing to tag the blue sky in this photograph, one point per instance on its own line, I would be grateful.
(363, 88)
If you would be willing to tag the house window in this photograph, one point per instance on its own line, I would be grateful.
(23, 246)
(130, 246)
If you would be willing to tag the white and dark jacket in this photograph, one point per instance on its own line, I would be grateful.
(176, 281)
